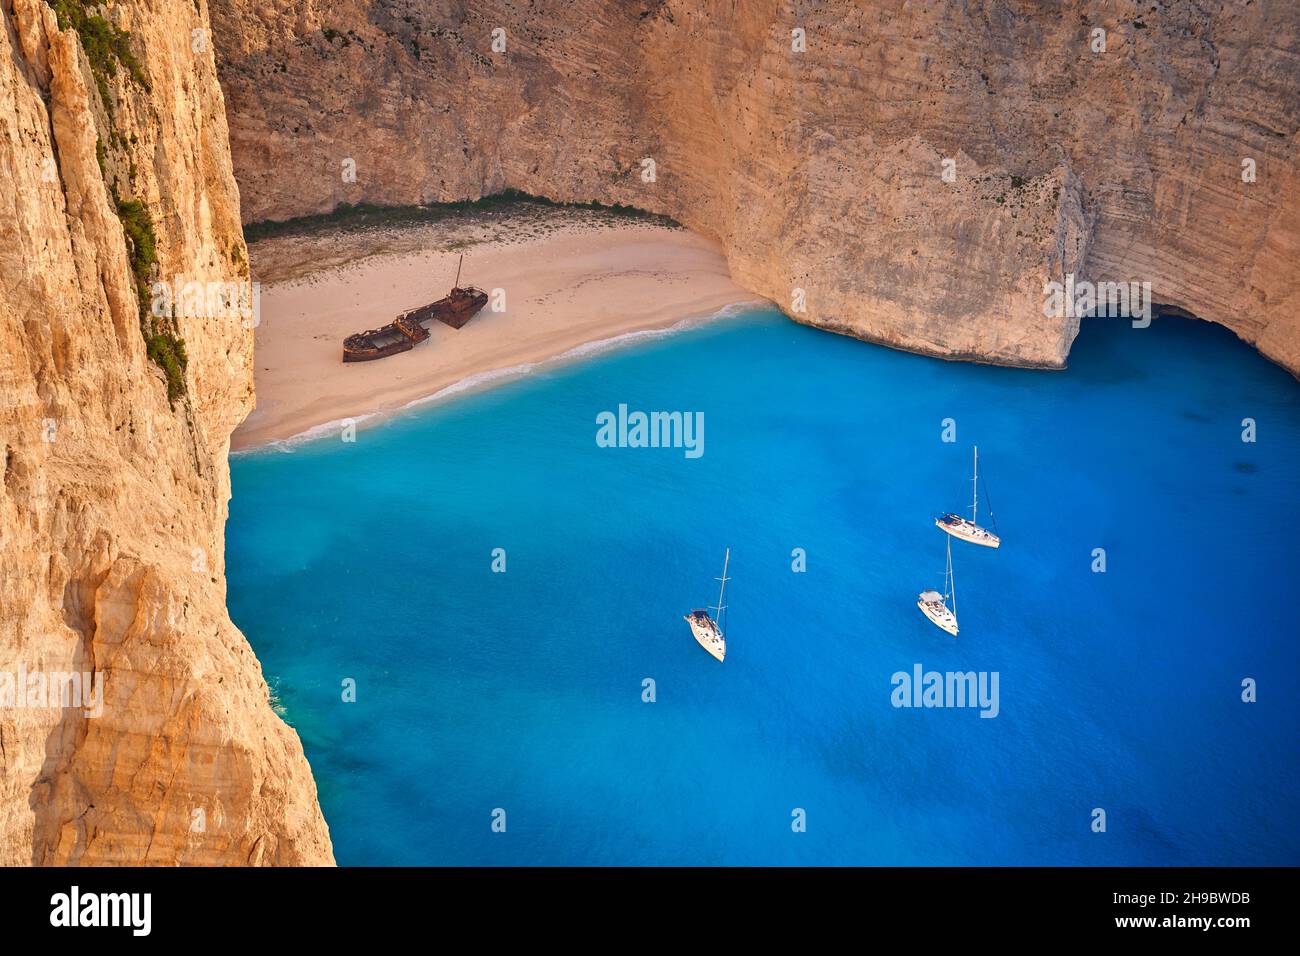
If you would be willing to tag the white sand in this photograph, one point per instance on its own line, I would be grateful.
(578, 285)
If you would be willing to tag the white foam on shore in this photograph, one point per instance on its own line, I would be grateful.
(470, 383)
(480, 380)
(316, 431)
(627, 338)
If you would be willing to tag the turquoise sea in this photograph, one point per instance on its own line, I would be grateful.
(523, 691)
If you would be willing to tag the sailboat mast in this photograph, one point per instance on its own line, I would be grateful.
(952, 580)
(723, 589)
(975, 489)
(456, 284)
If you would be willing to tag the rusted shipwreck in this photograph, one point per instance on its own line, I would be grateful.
(409, 329)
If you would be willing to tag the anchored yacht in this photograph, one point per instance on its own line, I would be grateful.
(707, 631)
(935, 605)
(969, 530)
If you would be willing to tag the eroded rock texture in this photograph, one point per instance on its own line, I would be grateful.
(822, 170)
(112, 501)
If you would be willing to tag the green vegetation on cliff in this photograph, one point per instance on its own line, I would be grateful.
(349, 218)
(108, 50)
(164, 347)
(106, 46)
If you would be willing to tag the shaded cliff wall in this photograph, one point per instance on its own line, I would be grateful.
(113, 499)
(822, 169)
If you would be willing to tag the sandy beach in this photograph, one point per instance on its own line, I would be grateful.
(569, 279)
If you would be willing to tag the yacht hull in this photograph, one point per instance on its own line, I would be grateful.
(943, 618)
(973, 533)
(708, 638)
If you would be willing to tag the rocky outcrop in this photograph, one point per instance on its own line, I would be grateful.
(822, 170)
(113, 498)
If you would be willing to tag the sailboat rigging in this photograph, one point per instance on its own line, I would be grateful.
(935, 605)
(708, 630)
(969, 529)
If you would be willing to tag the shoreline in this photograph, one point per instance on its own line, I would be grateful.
(574, 284)
(490, 378)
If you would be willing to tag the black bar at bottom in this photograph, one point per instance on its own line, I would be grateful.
(333, 905)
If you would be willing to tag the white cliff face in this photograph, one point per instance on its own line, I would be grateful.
(112, 501)
(822, 170)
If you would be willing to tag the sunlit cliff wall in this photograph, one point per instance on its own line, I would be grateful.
(822, 170)
(113, 499)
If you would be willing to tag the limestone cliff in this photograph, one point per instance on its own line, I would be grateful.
(113, 495)
(822, 169)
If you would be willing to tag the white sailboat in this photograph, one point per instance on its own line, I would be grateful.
(969, 530)
(707, 631)
(935, 605)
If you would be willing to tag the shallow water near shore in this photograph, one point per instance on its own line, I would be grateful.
(523, 690)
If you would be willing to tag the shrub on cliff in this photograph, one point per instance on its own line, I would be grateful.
(168, 352)
(106, 46)
(141, 242)
(163, 346)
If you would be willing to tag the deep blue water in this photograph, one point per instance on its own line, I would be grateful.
(523, 691)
